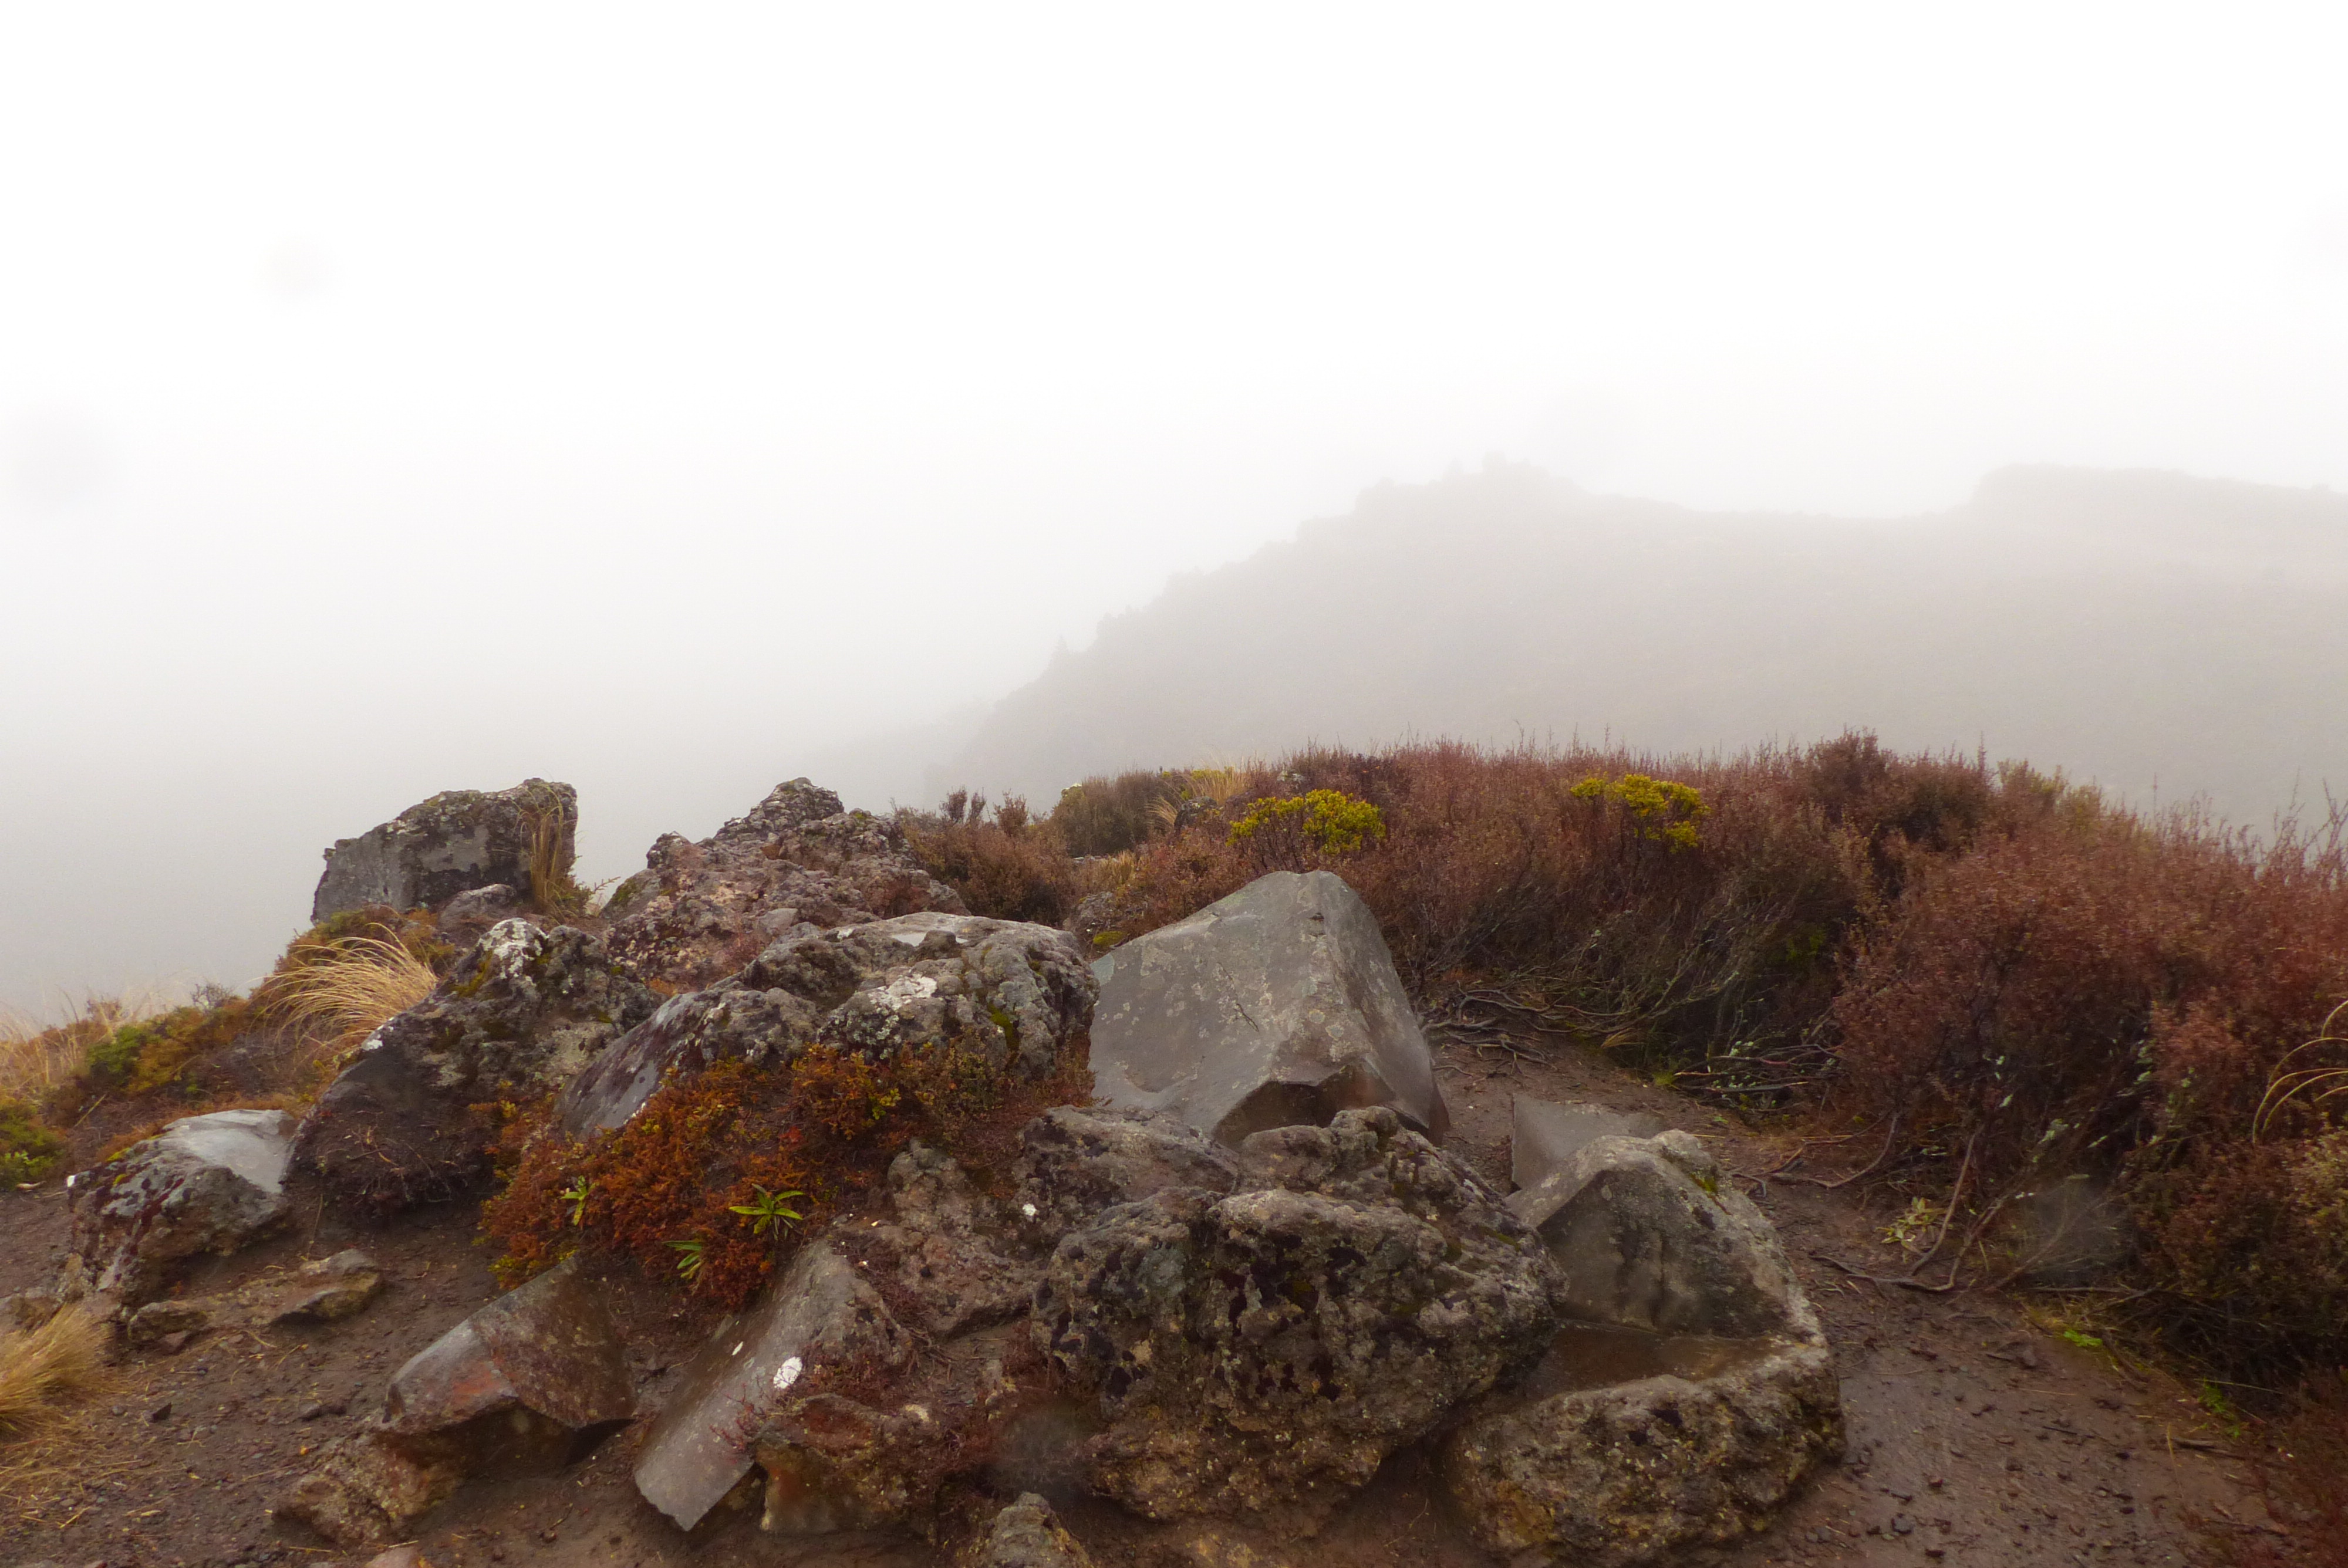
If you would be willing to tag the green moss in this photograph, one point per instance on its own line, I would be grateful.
(28, 1151)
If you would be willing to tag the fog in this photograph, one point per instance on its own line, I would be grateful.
(669, 401)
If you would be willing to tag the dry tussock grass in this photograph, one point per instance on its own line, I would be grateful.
(38, 1057)
(348, 987)
(43, 1369)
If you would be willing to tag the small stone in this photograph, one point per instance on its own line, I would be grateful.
(161, 1412)
(1902, 1525)
(311, 1412)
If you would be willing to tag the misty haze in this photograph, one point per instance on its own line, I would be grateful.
(1037, 785)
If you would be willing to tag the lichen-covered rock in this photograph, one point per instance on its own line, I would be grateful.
(1264, 1352)
(455, 842)
(1649, 1233)
(948, 1239)
(518, 1016)
(527, 1385)
(817, 1326)
(1018, 996)
(1278, 1006)
(1026, 1533)
(1543, 1135)
(698, 911)
(204, 1184)
(1074, 1163)
(359, 1491)
(1629, 1473)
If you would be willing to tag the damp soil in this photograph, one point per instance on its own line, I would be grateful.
(1974, 1436)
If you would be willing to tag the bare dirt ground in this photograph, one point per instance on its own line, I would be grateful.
(1974, 1437)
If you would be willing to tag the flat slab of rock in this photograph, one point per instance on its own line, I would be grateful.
(525, 1386)
(1543, 1135)
(818, 1319)
(1015, 995)
(453, 842)
(204, 1184)
(1276, 1007)
(518, 1016)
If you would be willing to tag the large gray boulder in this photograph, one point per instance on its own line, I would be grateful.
(1543, 1135)
(458, 840)
(1697, 1398)
(817, 1326)
(525, 1386)
(795, 864)
(1278, 1006)
(1018, 996)
(1264, 1352)
(1074, 1163)
(204, 1184)
(515, 1018)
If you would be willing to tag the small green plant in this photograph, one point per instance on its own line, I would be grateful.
(1921, 1216)
(1666, 812)
(1330, 820)
(689, 1256)
(2085, 1341)
(576, 1196)
(770, 1209)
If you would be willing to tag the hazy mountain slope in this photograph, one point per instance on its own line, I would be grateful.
(2144, 629)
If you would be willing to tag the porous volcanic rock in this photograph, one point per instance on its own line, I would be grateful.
(818, 1325)
(204, 1184)
(1701, 1398)
(457, 841)
(359, 1491)
(1074, 1163)
(1018, 995)
(947, 1240)
(525, 1386)
(518, 1016)
(1264, 1352)
(699, 911)
(1026, 1533)
(1543, 1135)
(1278, 1006)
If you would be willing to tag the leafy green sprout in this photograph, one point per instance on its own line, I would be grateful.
(768, 1209)
(689, 1259)
(575, 1195)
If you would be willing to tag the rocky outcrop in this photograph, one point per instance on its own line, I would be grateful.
(204, 1184)
(457, 841)
(949, 1239)
(520, 1015)
(1689, 1416)
(527, 1385)
(1075, 1163)
(795, 864)
(1264, 1352)
(1018, 995)
(1277, 1005)
(1544, 1135)
(817, 1326)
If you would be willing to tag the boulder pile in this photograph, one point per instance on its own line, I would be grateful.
(1224, 1294)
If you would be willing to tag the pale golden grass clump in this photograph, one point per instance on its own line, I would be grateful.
(42, 1368)
(348, 988)
(36, 1057)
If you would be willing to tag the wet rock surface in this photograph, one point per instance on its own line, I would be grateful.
(795, 864)
(1276, 1006)
(1264, 1352)
(517, 1017)
(1544, 1135)
(1018, 996)
(818, 1325)
(1027, 1534)
(204, 1184)
(529, 1383)
(458, 841)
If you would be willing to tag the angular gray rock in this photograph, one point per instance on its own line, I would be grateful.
(329, 1289)
(525, 1386)
(1649, 1233)
(1264, 1352)
(1027, 1534)
(457, 841)
(1544, 1135)
(1278, 1006)
(1018, 995)
(1074, 1163)
(517, 1017)
(204, 1184)
(818, 1323)
(699, 911)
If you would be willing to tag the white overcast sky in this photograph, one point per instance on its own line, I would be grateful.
(402, 397)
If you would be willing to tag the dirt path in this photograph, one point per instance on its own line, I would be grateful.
(1974, 1437)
